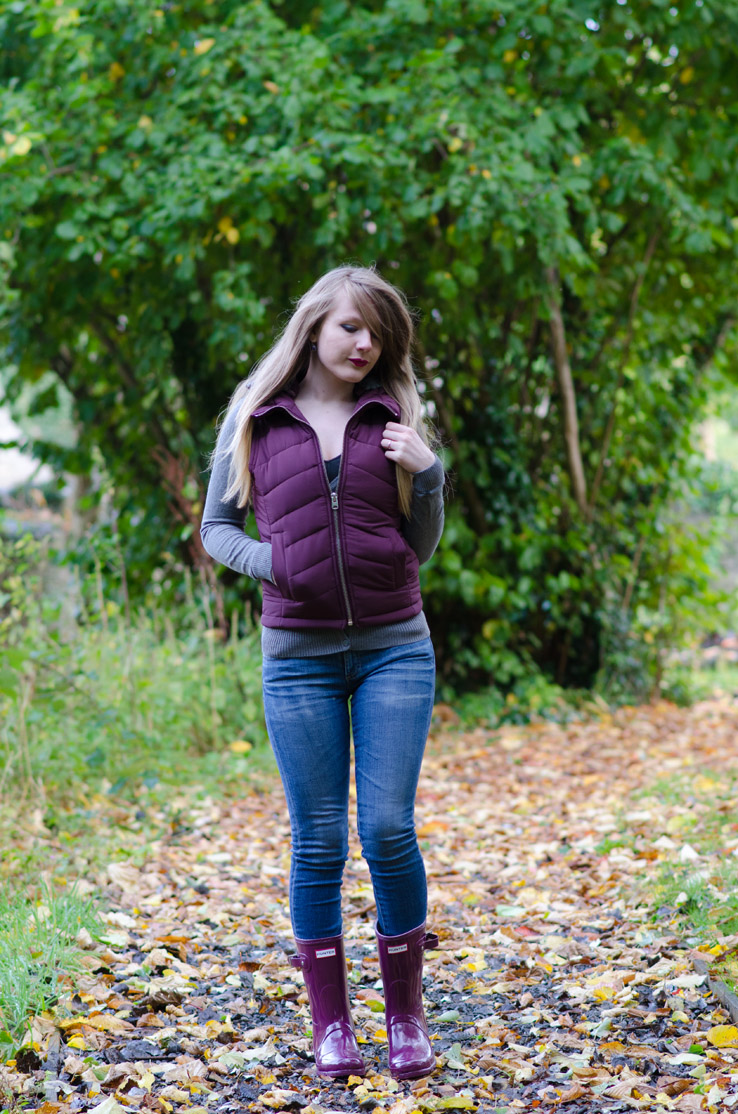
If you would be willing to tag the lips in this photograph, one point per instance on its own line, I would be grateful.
(359, 363)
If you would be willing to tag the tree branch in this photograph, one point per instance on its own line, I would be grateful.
(566, 386)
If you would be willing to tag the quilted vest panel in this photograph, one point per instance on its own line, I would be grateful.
(338, 560)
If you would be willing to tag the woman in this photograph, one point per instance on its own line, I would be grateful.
(326, 441)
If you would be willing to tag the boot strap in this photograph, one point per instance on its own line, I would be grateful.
(300, 962)
(429, 941)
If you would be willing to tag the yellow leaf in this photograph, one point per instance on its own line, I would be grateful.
(146, 1080)
(233, 236)
(455, 144)
(115, 71)
(431, 827)
(577, 160)
(109, 1023)
(686, 75)
(224, 224)
(271, 87)
(145, 122)
(9, 138)
(380, 1035)
(21, 146)
(77, 1042)
(509, 56)
(723, 1036)
(202, 46)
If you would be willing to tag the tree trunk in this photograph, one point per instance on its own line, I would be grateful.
(568, 397)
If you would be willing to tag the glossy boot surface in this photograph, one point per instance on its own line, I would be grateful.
(401, 963)
(323, 965)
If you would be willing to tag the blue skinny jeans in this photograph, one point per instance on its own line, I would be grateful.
(313, 706)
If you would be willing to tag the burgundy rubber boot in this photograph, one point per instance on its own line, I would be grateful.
(323, 965)
(401, 965)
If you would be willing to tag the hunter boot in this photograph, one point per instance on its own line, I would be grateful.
(401, 965)
(323, 965)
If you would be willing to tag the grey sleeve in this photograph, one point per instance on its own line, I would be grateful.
(423, 529)
(222, 530)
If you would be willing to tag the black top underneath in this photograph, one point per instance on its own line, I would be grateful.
(332, 467)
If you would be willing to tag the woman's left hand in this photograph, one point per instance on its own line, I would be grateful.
(405, 447)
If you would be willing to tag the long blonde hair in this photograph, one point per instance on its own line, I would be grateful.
(385, 310)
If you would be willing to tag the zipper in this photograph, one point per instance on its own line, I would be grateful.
(341, 568)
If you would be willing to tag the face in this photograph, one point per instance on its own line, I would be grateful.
(347, 349)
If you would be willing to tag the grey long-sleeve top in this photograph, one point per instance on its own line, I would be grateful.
(223, 536)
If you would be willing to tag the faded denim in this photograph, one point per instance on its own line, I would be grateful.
(313, 706)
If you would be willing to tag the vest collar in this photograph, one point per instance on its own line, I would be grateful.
(285, 400)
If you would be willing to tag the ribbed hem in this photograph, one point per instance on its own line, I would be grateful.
(277, 643)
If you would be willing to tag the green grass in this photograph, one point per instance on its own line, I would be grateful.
(39, 955)
(701, 811)
(116, 703)
(687, 684)
(125, 706)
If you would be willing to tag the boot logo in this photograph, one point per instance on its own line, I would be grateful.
(397, 948)
(325, 953)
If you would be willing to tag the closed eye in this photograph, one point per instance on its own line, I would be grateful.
(353, 329)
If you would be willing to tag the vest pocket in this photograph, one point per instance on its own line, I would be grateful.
(399, 559)
(279, 566)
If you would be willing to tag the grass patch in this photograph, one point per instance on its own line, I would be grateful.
(39, 955)
(705, 899)
(119, 705)
(698, 877)
(126, 706)
(686, 684)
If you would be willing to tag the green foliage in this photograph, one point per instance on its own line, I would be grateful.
(116, 702)
(175, 176)
(529, 699)
(39, 955)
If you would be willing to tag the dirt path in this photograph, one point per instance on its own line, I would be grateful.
(554, 983)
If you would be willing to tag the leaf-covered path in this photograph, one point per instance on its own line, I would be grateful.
(556, 981)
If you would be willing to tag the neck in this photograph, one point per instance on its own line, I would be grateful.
(325, 388)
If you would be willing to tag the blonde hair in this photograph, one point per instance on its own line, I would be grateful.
(385, 310)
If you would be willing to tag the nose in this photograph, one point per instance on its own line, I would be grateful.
(364, 340)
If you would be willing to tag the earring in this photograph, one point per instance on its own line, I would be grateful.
(313, 346)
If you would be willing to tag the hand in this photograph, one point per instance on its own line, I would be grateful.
(405, 447)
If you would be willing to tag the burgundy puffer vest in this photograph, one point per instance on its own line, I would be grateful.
(338, 559)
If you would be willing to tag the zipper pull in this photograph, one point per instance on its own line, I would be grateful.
(334, 500)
